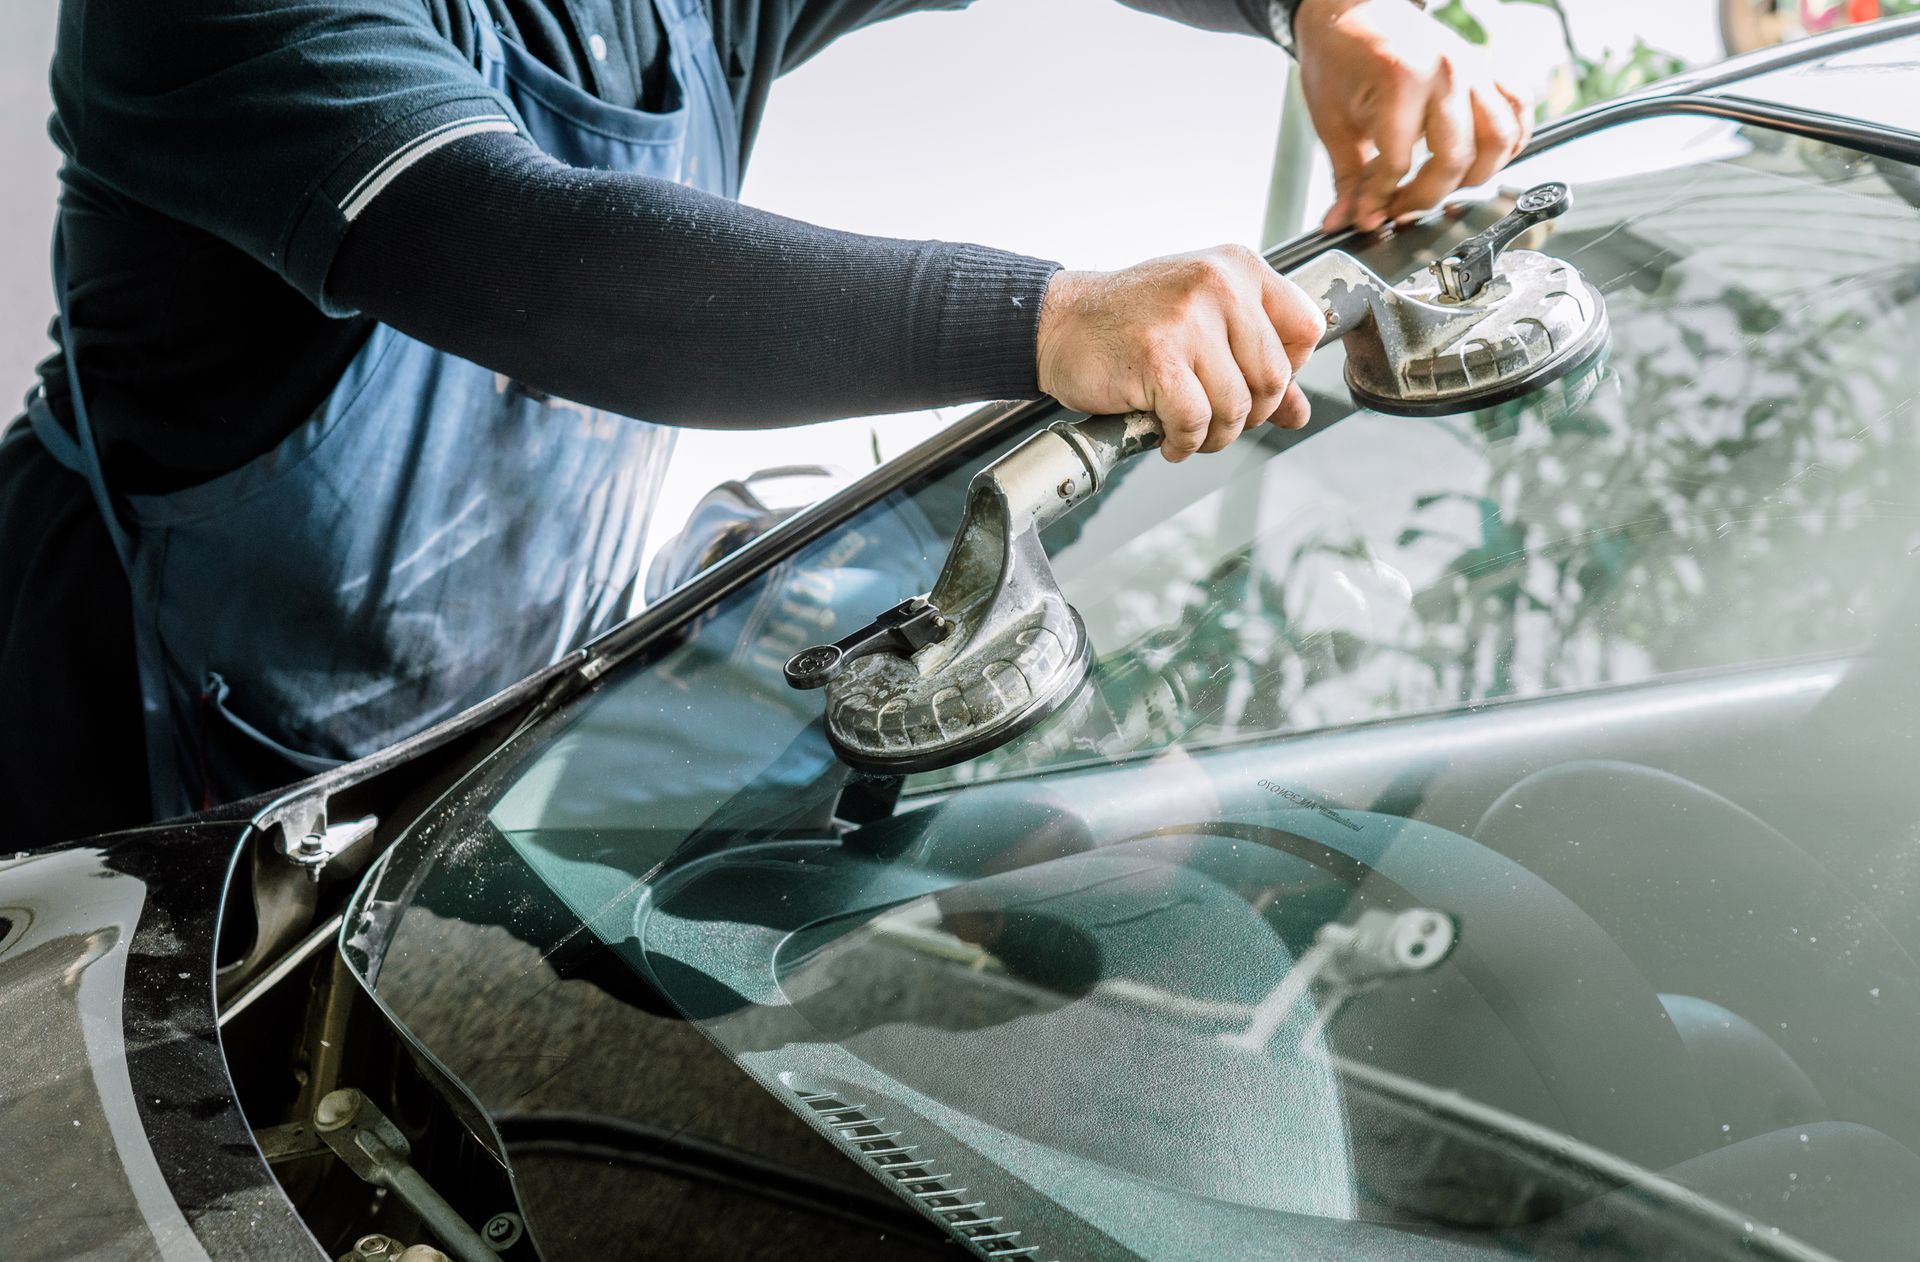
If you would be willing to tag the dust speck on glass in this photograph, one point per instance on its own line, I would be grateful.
(1491, 833)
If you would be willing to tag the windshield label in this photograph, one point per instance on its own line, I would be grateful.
(1302, 800)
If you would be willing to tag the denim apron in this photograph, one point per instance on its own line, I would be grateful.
(431, 534)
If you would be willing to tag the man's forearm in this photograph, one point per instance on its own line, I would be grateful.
(1268, 19)
(664, 303)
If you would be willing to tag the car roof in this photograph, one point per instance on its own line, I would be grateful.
(1862, 73)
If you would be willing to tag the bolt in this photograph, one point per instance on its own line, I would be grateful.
(375, 1246)
(1067, 487)
(1333, 317)
(337, 1109)
(310, 846)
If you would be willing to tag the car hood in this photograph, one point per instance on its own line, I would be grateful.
(114, 1096)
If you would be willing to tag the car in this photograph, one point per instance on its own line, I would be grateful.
(1491, 834)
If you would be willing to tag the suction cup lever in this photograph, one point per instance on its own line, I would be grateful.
(902, 630)
(1469, 269)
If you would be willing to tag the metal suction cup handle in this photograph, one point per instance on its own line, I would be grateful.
(1352, 297)
(904, 630)
(1469, 269)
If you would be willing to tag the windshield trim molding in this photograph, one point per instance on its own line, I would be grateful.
(1763, 62)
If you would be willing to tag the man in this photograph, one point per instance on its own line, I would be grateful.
(301, 480)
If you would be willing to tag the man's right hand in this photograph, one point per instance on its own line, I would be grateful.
(1208, 342)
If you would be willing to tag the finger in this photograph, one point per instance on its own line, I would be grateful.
(1185, 412)
(1261, 358)
(1522, 112)
(1231, 402)
(1349, 155)
(1296, 318)
(1496, 135)
(1397, 126)
(1294, 410)
(1450, 139)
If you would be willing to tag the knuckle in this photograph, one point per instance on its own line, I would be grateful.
(1241, 258)
(1212, 274)
(1304, 323)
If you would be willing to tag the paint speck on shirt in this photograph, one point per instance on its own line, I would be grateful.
(597, 46)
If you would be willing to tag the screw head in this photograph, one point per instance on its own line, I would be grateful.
(336, 1109)
(502, 1231)
(375, 1246)
(1067, 487)
(1333, 317)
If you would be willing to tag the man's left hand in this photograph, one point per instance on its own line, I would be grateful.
(1379, 75)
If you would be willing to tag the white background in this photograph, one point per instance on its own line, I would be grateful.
(1075, 130)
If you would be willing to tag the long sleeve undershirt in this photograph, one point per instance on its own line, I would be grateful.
(658, 301)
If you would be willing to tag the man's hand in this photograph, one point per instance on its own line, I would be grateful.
(1378, 75)
(1207, 342)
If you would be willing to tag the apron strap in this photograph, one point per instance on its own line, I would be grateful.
(62, 446)
(486, 34)
(77, 451)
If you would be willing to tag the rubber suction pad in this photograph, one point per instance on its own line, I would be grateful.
(887, 717)
(1539, 321)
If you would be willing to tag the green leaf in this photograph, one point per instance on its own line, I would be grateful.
(1454, 14)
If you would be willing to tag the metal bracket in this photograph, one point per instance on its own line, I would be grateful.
(289, 1142)
(321, 841)
(373, 1148)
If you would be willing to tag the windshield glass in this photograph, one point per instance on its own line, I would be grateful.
(1484, 834)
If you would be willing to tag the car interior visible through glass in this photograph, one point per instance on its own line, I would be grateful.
(1485, 834)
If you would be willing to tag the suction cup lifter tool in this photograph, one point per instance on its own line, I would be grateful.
(995, 648)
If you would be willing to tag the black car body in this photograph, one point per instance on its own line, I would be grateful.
(617, 967)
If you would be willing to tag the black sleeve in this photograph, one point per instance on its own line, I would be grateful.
(811, 25)
(658, 301)
(1268, 19)
(263, 122)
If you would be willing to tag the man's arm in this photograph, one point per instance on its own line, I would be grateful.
(1269, 19)
(659, 301)
(810, 25)
(1378, 77)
